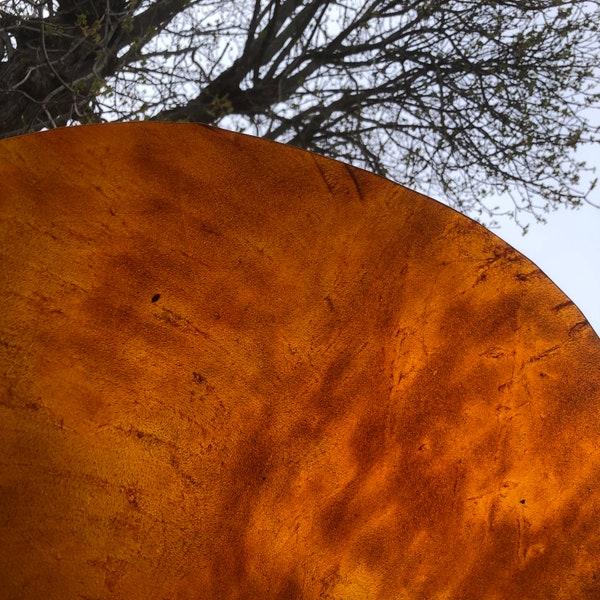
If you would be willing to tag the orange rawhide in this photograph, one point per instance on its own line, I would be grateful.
(234, 369)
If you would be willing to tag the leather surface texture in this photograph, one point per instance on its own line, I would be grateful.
(234, 369)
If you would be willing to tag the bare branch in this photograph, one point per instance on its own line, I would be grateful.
(463, 99)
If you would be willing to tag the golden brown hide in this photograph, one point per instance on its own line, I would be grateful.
(232, 369)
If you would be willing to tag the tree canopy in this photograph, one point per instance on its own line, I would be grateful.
(463, 100)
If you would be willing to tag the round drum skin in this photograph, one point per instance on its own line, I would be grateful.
(233, 369)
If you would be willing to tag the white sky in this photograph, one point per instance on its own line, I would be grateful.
(567, 248)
